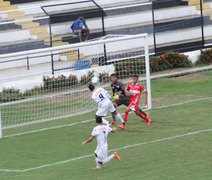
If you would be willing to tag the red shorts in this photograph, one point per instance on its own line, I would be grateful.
(133, 106)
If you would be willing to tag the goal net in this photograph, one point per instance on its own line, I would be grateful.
(34, 98)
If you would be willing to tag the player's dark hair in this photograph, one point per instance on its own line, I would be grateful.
(91, 87)
(98, 119)
(136, 76)
(113, 75)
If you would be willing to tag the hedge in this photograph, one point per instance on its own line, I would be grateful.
(205, 58)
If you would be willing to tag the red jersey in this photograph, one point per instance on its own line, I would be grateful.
(135, 92)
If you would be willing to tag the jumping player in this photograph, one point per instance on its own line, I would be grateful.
(102, 98)
(100, 132)
(134, 91)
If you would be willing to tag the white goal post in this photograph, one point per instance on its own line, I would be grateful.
(65, 94)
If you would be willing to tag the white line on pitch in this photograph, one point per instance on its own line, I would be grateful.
(121, 148)
(90, 120)
(185, 102)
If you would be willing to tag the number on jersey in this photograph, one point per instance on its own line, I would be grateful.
(101, 97)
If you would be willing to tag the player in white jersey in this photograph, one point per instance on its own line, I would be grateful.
(100, 132)
(102, 98)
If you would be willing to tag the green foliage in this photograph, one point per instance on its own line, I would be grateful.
(59, 82)
(8, 95)
(36, 90)
(169, 60)
(85, 79)
(104, 77)
(166, 61)
(205, 58)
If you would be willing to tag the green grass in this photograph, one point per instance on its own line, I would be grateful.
(186, 157)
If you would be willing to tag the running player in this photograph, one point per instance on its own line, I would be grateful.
(102, 98)
(134, 91)
(100, 132)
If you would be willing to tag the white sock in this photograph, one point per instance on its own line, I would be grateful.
(104, 121)
(108, 159)
(120, 118)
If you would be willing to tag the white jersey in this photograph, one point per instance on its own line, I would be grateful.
(101, 132)
(102, 98)
(100, 95)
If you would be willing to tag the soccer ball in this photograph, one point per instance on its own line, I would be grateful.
(95, 80)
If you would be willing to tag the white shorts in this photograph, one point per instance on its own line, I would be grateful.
(103, 108)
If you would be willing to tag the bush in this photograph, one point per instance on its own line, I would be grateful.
(59, 82)
(87, 78)
(169, 60)
(36, 90)
(8, 95)
(104, 77)
(205, 57)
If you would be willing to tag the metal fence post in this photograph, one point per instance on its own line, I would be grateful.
(202, 24)
(153, 21)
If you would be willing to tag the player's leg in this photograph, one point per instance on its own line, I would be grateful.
(115, 104)
(112, 109)
(100, 155)
(98, 162)
(104, 158)
(109, 158)
(102, 112)
(79, 34)
(126, 114)
(118, 115)
(142, 115)
(129, 108)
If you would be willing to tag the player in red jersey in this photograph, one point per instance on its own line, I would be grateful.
(134, 90)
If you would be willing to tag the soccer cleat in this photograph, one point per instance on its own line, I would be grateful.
(116, 155)
(121, 126)
(96, 168)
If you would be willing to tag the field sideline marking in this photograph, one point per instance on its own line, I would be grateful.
(90, 120)
(121, 148)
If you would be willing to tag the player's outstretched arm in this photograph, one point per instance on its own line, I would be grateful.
(90, 139)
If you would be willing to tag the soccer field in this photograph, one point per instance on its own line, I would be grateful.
(176, 146)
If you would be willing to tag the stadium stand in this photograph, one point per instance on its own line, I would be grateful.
(177, 26)
(182, 18)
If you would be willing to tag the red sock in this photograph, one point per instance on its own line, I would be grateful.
(141, 115)
(126, 117)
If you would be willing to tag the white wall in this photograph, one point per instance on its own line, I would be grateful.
(28, 83)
